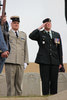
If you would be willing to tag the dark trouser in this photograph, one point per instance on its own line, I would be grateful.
(49, 77)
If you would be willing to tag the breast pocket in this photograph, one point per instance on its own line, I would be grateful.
(21, 42)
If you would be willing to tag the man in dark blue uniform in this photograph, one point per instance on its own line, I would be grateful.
(49, 56)
(4, 51)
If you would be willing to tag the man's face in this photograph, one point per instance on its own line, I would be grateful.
(47, 25)
(15, 25)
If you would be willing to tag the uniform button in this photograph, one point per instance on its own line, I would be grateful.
(50, 49)
(50, 54)
(50, 45)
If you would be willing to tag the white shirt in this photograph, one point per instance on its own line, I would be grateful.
(49, 33)
(16, 31)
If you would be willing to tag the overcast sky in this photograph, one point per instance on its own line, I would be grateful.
(32, 12)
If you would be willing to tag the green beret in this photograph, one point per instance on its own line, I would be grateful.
(46, 20)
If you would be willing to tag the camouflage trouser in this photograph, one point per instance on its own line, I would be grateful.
(14, 76)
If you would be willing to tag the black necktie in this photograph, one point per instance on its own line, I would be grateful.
(16, 34)
(49, 34)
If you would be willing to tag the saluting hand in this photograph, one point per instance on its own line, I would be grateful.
(42, 26)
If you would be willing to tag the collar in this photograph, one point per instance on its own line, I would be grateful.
(15, 31)
(48, 31)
